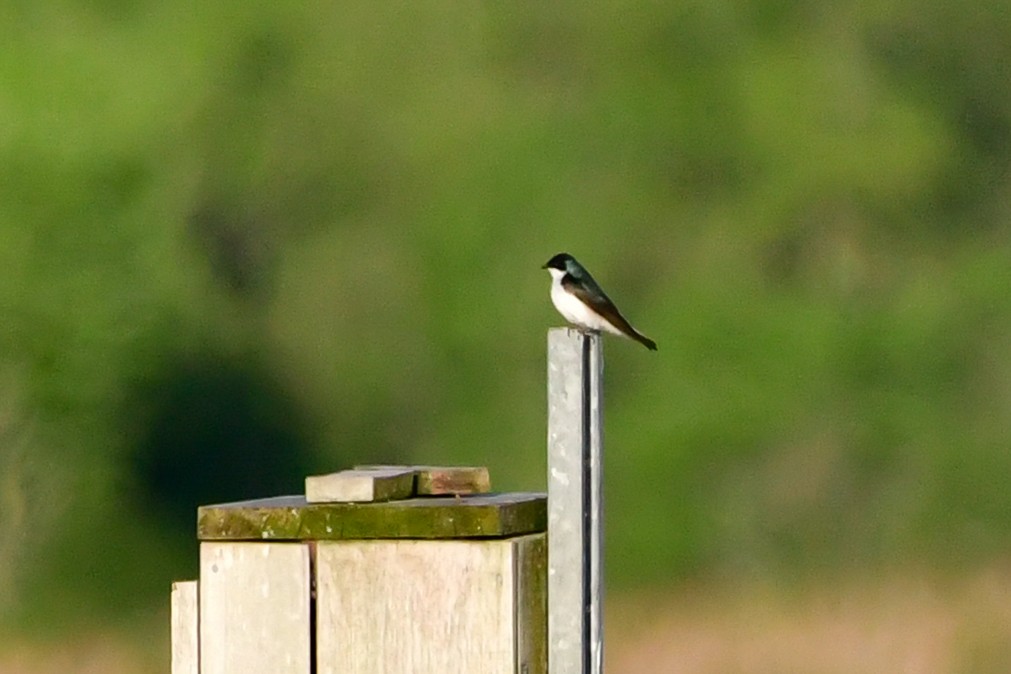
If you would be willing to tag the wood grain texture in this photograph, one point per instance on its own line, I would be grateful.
(254, 608)
(427, 607)
(185, 628)
(360, 486)
(447, 480)
(532, 603)
(291, 518)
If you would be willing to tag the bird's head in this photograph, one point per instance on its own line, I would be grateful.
(561, 264)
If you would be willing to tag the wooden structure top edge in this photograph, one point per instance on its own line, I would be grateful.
(292, 518)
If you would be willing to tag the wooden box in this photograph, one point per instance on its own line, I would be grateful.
(424, 585)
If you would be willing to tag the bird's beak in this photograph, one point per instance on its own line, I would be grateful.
(544, 266)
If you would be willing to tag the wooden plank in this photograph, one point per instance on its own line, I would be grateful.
(448, 480)
(291, 518)
(575, 516)
(425, 607)
(185, 626)
(360, 486)
(254, 608)
(532, 603)
(460, 480)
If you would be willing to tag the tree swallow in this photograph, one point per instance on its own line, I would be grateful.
(581, 301)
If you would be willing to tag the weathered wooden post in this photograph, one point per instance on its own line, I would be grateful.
(575, 502)
(374, 571)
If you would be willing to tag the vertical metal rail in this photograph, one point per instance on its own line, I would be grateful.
(575, 502)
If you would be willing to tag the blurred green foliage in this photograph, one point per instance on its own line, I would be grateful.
(241, 241)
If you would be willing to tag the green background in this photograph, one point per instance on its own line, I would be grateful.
(246, 241)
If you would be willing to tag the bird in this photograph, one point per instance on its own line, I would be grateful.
(583, 303)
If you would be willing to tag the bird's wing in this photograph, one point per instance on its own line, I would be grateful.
(592, 296)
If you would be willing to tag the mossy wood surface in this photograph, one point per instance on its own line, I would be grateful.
(291, 518)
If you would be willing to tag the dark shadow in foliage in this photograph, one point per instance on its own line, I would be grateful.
(237, 248)
(217, 430)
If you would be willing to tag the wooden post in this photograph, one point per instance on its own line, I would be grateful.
(575, 502)
(185, 626)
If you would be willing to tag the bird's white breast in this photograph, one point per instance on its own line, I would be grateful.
(573, 310)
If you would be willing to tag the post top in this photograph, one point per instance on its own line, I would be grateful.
(292, 518)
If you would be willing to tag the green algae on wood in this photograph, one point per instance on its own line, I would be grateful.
(291, 518)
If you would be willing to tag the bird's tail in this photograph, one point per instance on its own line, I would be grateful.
(644, 340)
